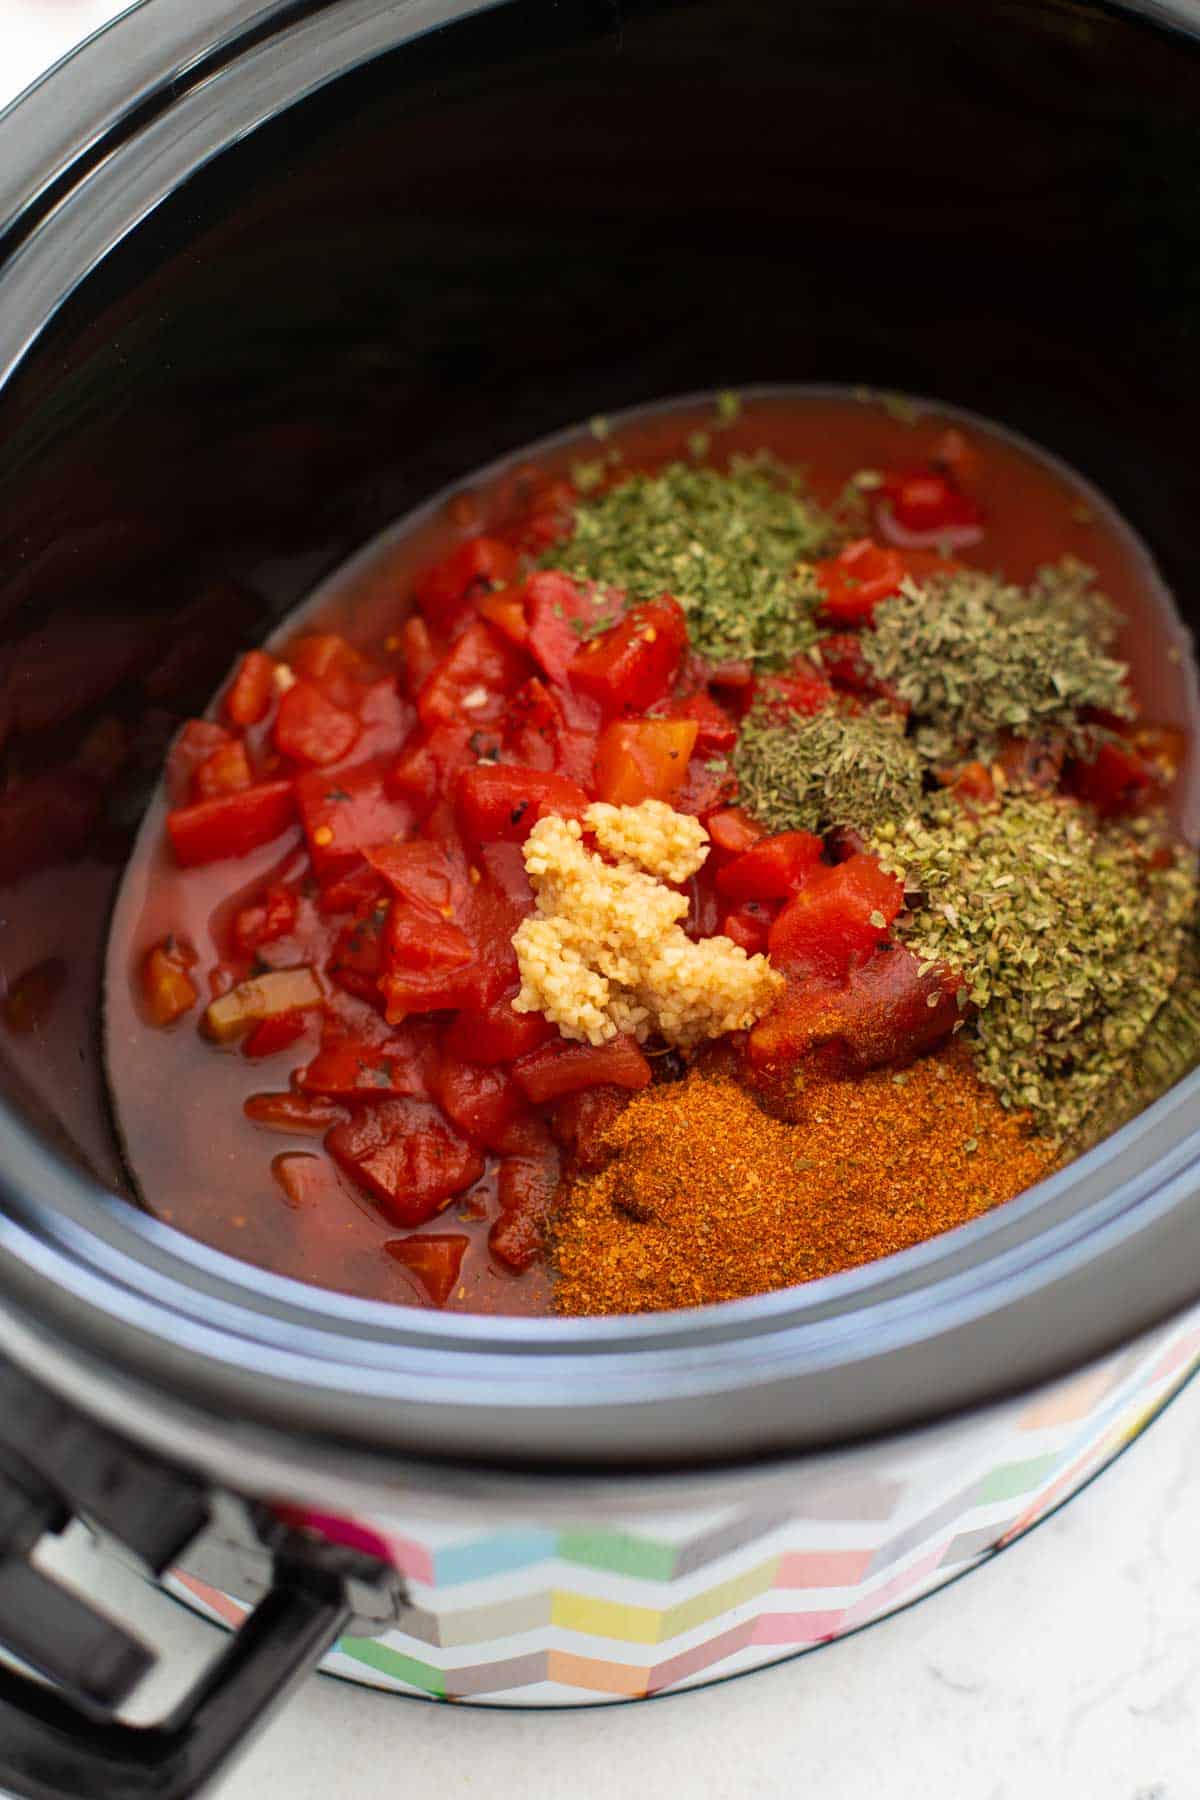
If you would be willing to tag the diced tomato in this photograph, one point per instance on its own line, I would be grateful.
(1122, 774)
(563, 1068)
(970, 783)
(704, 909)
(580, 1122)
(632, 666)
(527, 1186)
(346, 813)
(749, 926)
(359, 885)
(226, 771)
(428, 875)
(334, 666)
(559, 612)
(844, 662)
(356, 960)
(733, 831)
(922, 500)
(435, 1258)
(249, 695)
(168, 991)
(536, 732)
(311, 729)
(194, 745)
(853, 582)
(231, 825)
(473, 682)
(449, 588)
(716, 728)
(276, 1033)
(420, 657)
(643, 759)
(708, 786)
(302, 1113)
(406, 1157)
(483, 1103)
(349, 1066)
(499, 802)
(425, 770)
(497, 1034)
(429, 964)
(801, 688)
(265, 920)
(888, 1011)
(772, 868)
(838, 919)
(506, 611)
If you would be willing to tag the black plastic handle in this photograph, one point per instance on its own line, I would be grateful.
(50, 1749)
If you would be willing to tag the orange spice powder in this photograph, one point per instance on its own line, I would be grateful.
(707, 1197)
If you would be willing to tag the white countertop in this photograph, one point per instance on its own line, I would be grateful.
(1069, 1667)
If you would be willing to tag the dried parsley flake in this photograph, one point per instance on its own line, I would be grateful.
(977, 658)
(726, 545)
(1069, 936)
(835, 768)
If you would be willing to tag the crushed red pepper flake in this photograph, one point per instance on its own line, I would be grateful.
(710, 1198)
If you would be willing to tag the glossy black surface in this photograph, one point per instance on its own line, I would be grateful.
(534, 214)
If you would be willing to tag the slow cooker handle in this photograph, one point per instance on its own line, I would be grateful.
(61, 1737)
(52, 1749)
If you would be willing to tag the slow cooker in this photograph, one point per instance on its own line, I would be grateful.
(269, 274)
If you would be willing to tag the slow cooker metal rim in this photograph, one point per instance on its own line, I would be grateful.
(41, 1244)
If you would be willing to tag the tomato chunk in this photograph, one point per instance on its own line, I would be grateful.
(345, 813)
(311, 729)
(349, 1066)
(732, 830)
(527, 1186)
(483, 1103)
(250, 691)
(838, 918)
(448, 588)
(232, 824)
(425, 874)
(497, 1034)
(630, 667)
(643, 759)
(887, 1011)
(435, 1258)
(772, 868)
(921, 500)
(168, 991)
(559, 612)
(1124, 773)
(196, 741)
(226, 771)
(275, 1034)
(749, 926)
(498, 802)
(474, 680)
(303, 1114)
(265, 920)
(580, 1123)
(716, 728)
(327, 660)
(563, 1068)
(853, 582)
(801, 689)
(406, 1157)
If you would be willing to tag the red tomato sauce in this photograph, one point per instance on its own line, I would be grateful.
(389, 1126)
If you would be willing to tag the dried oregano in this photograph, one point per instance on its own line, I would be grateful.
(977, 658)
(726, 545)
(835, 768)
(1068, 933)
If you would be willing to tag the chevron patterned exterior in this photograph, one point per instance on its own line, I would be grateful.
(539, 1611)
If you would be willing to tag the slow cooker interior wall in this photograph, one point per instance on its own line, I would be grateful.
(529, 217)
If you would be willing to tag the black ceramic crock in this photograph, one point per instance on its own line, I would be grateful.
(268, 276)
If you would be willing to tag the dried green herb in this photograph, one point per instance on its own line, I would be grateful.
(977, 659)
(835, 768)
(726, 545)
(1168, 1051)
(1069, 936)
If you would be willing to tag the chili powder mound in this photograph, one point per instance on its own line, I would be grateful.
(709, 1198)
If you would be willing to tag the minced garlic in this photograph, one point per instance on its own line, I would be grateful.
(605, 952)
